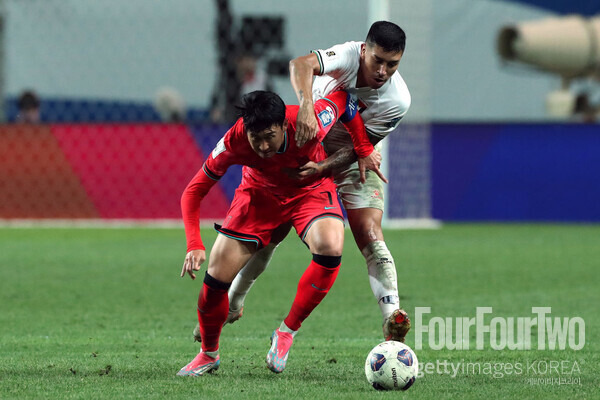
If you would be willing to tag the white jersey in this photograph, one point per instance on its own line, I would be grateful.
(381, 109)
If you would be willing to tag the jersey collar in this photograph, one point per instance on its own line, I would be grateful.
(284, 146)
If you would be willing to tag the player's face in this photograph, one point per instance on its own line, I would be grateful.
(267, 142)
(376, 66)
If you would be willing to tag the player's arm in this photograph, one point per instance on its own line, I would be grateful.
(342, 158)
(212, 170)
(302, 70)
(191, 198)
(346, 109)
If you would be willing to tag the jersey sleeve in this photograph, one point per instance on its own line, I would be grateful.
(339, 59)
(215, 166)
(382, 125)
(388, 118)
(343, 106)
(191, 198)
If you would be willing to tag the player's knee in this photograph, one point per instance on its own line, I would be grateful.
(328, 247)
(326, 237)
(366, 231)
(224, 265)
(331, 244)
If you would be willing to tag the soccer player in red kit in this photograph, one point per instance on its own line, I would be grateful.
(270, 194)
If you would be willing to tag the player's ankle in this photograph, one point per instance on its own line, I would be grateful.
(284, 328)
(212, 354)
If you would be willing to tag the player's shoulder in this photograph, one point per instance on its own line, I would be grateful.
(348, 47)
(291, 114)
(340, 56)
(342, 49)
(235, 135)
(398, 91)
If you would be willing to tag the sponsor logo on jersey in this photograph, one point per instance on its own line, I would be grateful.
(352, 104)
(351, 108)
(330, 53)
(327, 116)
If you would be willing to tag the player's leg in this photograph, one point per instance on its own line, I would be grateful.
(227, 257)
(366, 228)
(364, 208)
(325, 239)
(245, 279)
(246, 229)
(323, 232)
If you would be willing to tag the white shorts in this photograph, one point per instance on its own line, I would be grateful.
(356, 195)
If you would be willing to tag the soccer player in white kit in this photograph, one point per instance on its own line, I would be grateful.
(367, 70)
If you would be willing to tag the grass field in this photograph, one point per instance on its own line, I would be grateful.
(102, 313)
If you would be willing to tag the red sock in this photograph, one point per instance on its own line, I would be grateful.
(312, 288)
(213, 306)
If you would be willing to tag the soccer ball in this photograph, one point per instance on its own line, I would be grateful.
(391, 365)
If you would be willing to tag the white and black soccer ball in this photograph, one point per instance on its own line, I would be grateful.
(391, 365)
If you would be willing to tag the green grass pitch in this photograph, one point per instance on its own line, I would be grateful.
(103, 313)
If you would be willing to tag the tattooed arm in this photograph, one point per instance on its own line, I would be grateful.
(340, 159)
(302, 70)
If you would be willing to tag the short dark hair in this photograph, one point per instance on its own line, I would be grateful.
(387, 35)
(28, 100)
(261, 109)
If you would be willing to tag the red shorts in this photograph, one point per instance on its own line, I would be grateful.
(255, 212)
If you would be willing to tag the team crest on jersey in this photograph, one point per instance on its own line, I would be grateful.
(327, 116)
(393, 123)
(219, 148)
(330, 53)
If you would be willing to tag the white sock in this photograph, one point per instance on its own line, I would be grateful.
(213, 354)
(382, 276)
(284, 328)
(247, 276)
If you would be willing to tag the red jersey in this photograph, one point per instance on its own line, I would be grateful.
(273, 173)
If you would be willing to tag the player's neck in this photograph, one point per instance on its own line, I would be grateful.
(360, 81)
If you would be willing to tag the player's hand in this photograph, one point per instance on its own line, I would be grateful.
(371, 162)
(309, 169)
(306, 124)
(192, 262)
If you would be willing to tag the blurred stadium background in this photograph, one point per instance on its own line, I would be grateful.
(133, 95)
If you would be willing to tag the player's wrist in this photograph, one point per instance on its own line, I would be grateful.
(193, 247)
(364, 151)
(321, 167)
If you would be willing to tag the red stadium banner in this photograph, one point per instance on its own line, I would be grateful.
(108, 171)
